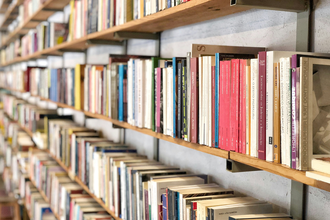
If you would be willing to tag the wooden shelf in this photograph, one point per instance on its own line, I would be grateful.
(75, 179)
(202, 148)
(190, 12)
(10, 15)
(45, 198)
(34, 20)
(4, 6)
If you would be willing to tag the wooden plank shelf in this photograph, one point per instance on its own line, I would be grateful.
(190, 12)
(271, 167)
(4, 6)
(39, 15)
(75, 179)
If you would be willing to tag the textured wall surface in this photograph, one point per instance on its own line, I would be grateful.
(272, 29)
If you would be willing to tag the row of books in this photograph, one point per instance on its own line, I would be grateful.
(226, 100)
(86, 17)
(25, 172)
(138, 187)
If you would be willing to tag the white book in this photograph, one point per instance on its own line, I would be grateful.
(285, 106)
(141, 92)
(100, 15)
(200, 104)
(136, 89)
(209, 96)
(86, 83)
(123, 191)
(254, 107)
(129, 91)
(164, 82)
(148, 94)
(169, 102)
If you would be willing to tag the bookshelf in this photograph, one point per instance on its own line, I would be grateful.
(4, 5)
(11, 14)
(44, 12)
(278, 169)
(76, 179)
(184, 14)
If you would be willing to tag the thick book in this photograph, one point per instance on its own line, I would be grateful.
(262, 108)
(274, 216)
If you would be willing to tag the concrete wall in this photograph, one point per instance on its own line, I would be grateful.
(272, 29)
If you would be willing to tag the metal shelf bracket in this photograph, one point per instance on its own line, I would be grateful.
(237, 167)
(280, 5)
(136, 35)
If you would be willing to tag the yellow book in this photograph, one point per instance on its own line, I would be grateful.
(71, 24)
(141, 8)
(79, 87)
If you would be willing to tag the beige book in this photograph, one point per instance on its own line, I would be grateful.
(276, 216)
(203, 205)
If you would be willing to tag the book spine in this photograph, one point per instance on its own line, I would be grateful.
(277, 123)
(262, 106)
(234, 105)
(269, 106)
(133, 91)
(213, 106)
(158, 102)
(194, 99)
(184, 103)
(216, 101)
(164, 202)
(254, 108)
(227, 103)
(243, 108)
(179, 119)
(294, 129)
(121, 93)
(175, 94)
(297, 116)
(222, 109)
(248, 107)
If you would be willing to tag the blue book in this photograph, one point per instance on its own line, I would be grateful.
(216, 101)
(109, 9)
(178, 205)
(45, 211)
(168, 3)
(122, 76)
(164, 206)
(174, 95)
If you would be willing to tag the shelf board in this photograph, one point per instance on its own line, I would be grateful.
(4, 6)
(75, 179)
(10, 14)
(190, 12)
(279, 169)
(45, 198)
(202, 148)
(33, 20)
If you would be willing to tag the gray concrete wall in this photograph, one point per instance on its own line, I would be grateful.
(272, 29)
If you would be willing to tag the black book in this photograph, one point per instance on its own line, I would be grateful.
(179, 118)
(184, 101)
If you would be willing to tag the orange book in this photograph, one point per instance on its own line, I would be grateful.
(277, 112)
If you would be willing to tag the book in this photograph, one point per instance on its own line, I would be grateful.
(261, 216)
(262, 149)
(276, 114)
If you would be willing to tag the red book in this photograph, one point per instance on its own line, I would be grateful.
(243, 108)
(262, 106)
(234, 104)
(227, 105)
(160, 212)
(213, 104)
(221, 104)
(194, 99)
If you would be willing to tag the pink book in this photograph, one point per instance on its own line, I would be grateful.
(71, 209)
(158, 97)
(221, 104)
(234, 104)
(213, 105)
(194, 99)
(262, 106)
(243, 108)
(227, 105)
(90, 89)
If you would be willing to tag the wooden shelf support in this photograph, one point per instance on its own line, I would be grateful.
(136, 35)
(280, 5)
(104, 42)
